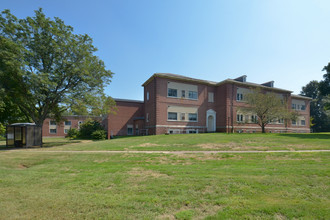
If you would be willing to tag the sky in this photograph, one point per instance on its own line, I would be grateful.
(287, 41)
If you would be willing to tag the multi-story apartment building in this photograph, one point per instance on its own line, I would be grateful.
(178, 104)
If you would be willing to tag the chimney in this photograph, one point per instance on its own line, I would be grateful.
(268, 84)
(241, 78)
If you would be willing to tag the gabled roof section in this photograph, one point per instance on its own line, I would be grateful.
(128, 100)
(249, 84)
(300, 97)
(239, 81)
(178, 77)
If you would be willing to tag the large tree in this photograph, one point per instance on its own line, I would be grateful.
(43, 64)
(318, 110)
(268, 107)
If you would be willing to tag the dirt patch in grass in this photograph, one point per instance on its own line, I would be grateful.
(187, 212)
(148, 145)
(23, 166)
(141, 175)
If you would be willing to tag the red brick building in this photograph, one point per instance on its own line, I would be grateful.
(178, 104)
(51, 128)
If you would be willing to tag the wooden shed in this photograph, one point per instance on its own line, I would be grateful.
(23, 135)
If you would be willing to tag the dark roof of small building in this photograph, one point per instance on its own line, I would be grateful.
(128, 100)
(22, 124)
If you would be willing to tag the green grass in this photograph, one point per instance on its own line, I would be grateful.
(200, 142)
(35, 184)
(41, 185)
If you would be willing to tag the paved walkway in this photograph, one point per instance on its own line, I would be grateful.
(170, 152)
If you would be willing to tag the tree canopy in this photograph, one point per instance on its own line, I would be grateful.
(319, 106)
(44, 65)
(268, 107)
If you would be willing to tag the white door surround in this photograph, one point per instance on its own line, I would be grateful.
(211, 120)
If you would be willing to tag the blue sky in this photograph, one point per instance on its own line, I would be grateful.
(287, 41)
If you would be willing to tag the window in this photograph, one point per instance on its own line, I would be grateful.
(192, 131)
(239, 97)
(67, 123)
(303, 107)
(293, 106)
(294, 122)
(52, 131)
(147, 117)
(66, 131)
(192, 117)
(183, 94)
(147, 95)
(281, 121)
(239, 118)
(254, 119)
(172, 93)
(192, 95)
(211, 97)
(79, 123)
(52, 122)
(172, 116)
(129, 129)
(183, 116)
(303, 122)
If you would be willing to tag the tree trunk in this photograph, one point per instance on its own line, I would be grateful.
(263, 128)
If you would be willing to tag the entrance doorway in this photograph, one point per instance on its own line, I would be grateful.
(211, 120)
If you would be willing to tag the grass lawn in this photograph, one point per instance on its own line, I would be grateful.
(157, 186)
(198, 142)
(35, 184)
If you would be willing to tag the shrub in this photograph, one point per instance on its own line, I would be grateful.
(99, 135)
(88, 127)
(73, 133)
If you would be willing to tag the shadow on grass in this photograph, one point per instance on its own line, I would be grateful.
(48, 144)
(308, 136)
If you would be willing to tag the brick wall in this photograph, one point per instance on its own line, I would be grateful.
(127, 114)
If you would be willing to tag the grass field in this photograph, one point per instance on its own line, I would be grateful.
(45, 185)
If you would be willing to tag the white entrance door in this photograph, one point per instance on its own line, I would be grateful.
(211, 120)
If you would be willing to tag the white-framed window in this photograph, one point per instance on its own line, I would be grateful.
(173, 116)
(183, 116)
(52, 122)
(147, 117)
(303, 122)
(66, 131)
(192, 116)
(303, 107)
(239, 118)
(174, 131)
(192, 131)
(294, 106)
(172, 92)
(52, 131)
(281, 121)
(67, 123)
(129, 129)
(147, 96)
(183, 94)
(294, 122)
(211, 97)
(239, 96)
(192, 95)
